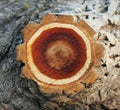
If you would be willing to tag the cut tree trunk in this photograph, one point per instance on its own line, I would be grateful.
(103, 16)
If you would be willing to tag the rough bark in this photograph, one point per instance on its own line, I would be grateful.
(23, 94)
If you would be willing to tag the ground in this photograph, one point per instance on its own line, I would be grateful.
(103, 16)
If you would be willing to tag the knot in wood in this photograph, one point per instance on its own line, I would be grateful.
(59, 54)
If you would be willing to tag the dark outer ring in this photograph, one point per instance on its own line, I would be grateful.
(54, 34)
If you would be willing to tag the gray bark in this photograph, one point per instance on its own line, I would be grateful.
(103, 15)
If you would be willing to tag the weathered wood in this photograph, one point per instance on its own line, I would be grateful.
(102, 15)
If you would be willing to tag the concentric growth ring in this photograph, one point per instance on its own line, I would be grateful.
(63, 49)
(59, 54)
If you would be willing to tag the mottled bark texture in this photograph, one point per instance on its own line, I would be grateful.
(23, 94)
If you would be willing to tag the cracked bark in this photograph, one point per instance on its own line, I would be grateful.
(104, 94)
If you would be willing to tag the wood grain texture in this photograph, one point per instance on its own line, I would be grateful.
(68, 85)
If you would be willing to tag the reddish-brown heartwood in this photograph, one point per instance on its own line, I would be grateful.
(59, 54)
